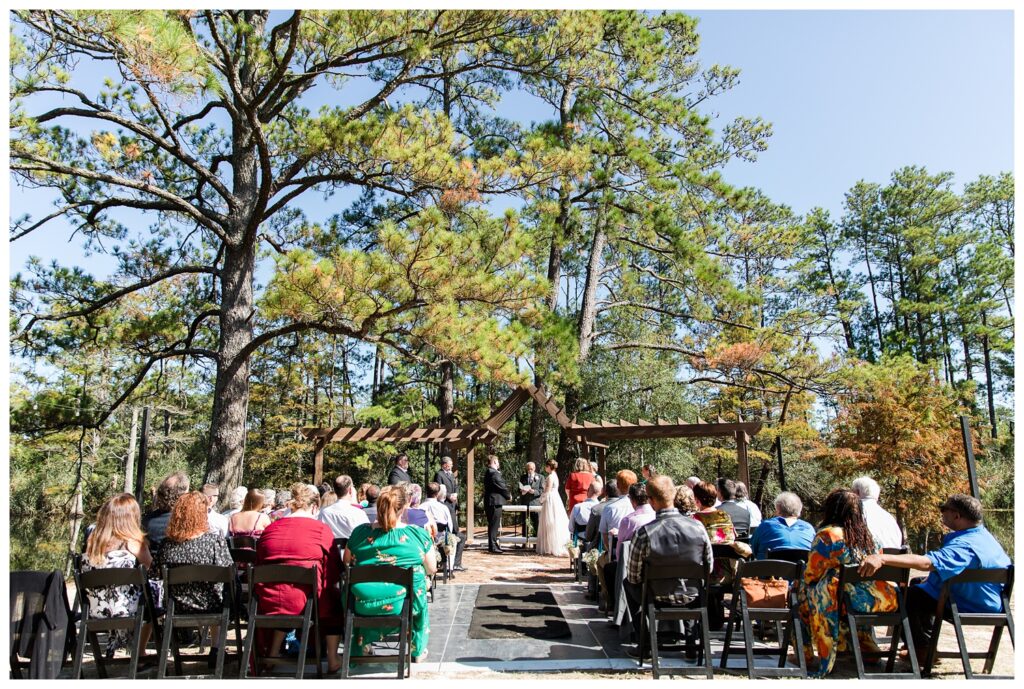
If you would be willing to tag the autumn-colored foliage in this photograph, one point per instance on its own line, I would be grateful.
(898, 424)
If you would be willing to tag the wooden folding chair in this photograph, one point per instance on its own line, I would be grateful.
(651, 613)
(402, 618)
(742, 613)
(896, 619)
(191, 574)
(997, 620)
(307, 624)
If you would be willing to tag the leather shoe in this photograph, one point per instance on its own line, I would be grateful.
(499, 549)
(633, 651)
(459, 568)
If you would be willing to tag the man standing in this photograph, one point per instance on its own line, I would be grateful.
(400, 472)
(969, 545)
(446, 478)
(495, 495)
(217, 521)
(670, 539)
(529, 490)
(882, 525)
(344, 515)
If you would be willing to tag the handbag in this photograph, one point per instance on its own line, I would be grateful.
(765, 593)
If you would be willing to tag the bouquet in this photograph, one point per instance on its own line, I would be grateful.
(590, 559)
(574, 550)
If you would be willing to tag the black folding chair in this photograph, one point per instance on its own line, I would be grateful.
(896, 619)
(36, 631)
(742, 613)
(726, 554)
(652, 612)
(96, 580)
(242, 542)
(446, 556)
(578, 541)
(307, 624)
(788, 554)
(183, 575)
(997, 620)
(380, 574)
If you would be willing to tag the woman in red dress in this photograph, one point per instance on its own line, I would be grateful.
(300, 539)
(578, 482)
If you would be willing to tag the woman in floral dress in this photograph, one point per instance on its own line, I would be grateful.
(842, 539)
(392, 542)
(116, 542)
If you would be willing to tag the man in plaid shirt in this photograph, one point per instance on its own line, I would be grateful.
(670, 539)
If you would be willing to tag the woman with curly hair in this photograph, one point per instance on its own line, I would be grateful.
(190, 542)
(390, 541)
(842, 539)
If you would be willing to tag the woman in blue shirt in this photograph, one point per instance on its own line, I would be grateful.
(784, 530)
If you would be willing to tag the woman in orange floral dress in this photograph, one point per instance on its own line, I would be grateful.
(842, 539)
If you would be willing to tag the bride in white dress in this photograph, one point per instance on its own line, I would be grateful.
(553, 527)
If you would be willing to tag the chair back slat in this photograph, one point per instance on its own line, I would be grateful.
(902, 550)
(724, 551)
(283, 574)
(243, 556)
(248, 542)
(341, 544)
(112, 576)
(187, 574)
(889, 573)
(770, 569)
(679, 570)
(789, 554)
(1001, 575)
(380, 574)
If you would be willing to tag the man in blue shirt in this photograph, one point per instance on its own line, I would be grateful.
(969, 545)
(784, 530)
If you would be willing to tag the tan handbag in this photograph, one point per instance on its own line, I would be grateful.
(765, 593)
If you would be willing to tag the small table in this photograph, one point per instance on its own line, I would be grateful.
(525, 540)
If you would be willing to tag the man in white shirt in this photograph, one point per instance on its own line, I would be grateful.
(611, 515)
(235, 501)
(752, 509)
(344, 515)
(218, 522)
(434, 507)
(881, 524)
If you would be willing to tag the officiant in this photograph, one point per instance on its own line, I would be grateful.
(530, 485)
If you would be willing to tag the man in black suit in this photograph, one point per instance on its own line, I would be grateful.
(495, 495)
(446, 478)
(530, 488)
(400, 472)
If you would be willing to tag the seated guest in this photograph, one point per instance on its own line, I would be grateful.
(190, 542)
(118, 541)
(717, 522)
(154, 523)
(610, 493)
(784, 530)
(580, 514)
(235, 501)
(278, 507)
(842, 539)
(684, 500)
(693, 481)
(361, 494)
(882, 525)
(415, 515)
(251, 520)
(611, 515)
(577, 484)
(327, 495)
(968, 545)
(300, 540)
(372, 492)
(433, 506)
(642, 513)
(217, 521)
(750, 506)
(647, 472)
(344, 515)
(739, 515)
(594, 468)
(670, 539)
(393, 542)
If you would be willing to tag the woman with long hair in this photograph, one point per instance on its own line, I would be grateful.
(553, 524)
(578, 482)
(118, 542)
(189, 541)
(251, 520)
(842, 539)
(300, 539)
(391, 541)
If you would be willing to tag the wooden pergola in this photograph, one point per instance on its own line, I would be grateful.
(589, 436)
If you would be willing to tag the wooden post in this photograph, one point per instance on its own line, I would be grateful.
(129, 467)
(601, 451)
(782, 468)
(741, 457)
(972, 472)
(470, 498)
(318, 461)
(140, 471)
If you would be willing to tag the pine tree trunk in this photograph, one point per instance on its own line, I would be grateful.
(446, 401)
(988, 376)
(874, 294)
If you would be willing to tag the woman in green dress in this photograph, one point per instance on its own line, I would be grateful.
(390, 541)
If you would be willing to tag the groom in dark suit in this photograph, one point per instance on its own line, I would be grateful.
(495, 495)
(446, 478)
(400, 472)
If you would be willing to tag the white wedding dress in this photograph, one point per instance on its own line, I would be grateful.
(553, 527)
